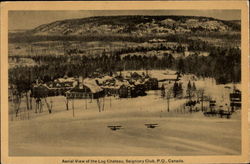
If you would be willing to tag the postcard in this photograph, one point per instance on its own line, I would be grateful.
(129, 82)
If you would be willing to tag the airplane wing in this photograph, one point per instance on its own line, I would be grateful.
(114, 126)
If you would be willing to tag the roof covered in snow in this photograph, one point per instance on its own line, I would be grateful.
(165, 76)
(91, 84)
(63, 80)
(104, 79)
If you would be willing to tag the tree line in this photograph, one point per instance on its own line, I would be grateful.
(222, 64)
(181, 37)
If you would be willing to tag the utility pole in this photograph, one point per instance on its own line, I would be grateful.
(168, 98)
(110, 102)
(86, 105)
(73, 107)
(168, 102)
(67, 103)
(103, 103)
(202, 101)
(48, 106)
(98, 104)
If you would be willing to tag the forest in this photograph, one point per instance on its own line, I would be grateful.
(223, 64)
(181, 38)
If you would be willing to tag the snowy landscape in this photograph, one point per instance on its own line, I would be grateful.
(122, 85)
(179, 133)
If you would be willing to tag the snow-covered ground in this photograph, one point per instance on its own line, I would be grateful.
(220, 93)
(86, 134)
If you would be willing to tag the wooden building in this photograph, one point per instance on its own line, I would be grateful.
(83, 93)
(127, 91)
(60, 86)
(87, 89)
(111, 90)
(140, 90)
(235, 99)
(151, 84)
(130, 91)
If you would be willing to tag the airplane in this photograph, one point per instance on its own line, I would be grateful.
(115, 127)
(151, 125)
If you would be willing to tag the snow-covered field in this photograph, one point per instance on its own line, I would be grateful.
(86, 134)
(220, 93)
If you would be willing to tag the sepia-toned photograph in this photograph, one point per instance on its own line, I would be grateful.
(115, 83)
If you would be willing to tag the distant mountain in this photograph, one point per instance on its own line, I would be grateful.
(235, 22)
(137, 25)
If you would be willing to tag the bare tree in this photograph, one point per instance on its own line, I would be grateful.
(17, 102)
(67, 103)
(167, 92)
(98, 104)
(49, 106)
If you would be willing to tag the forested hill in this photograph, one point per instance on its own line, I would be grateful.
(203, 46)
(138, 25)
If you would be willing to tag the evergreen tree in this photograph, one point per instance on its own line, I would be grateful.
(189, 90)
(181, 66)
(180, 89)
(193, 87)
(175, 89)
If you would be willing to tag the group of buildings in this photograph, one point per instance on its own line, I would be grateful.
(130, 86)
